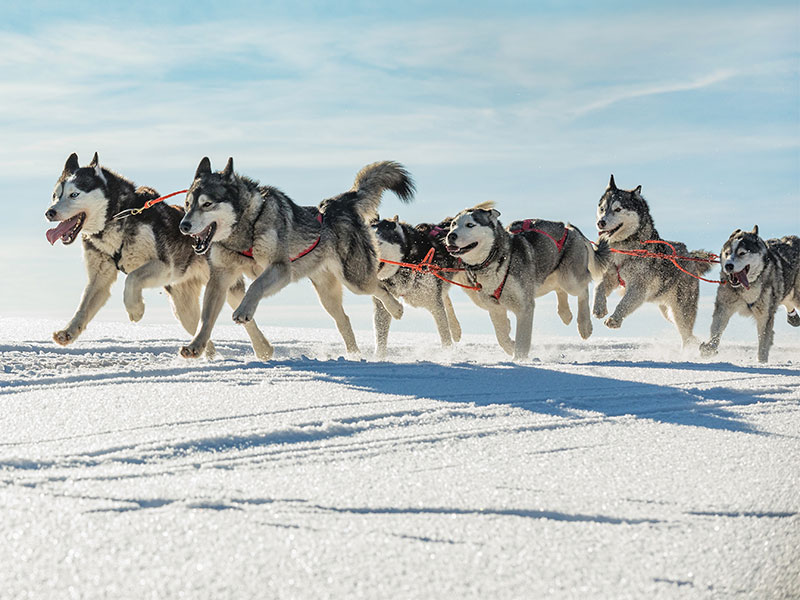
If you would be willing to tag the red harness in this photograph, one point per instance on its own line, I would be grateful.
(527, 225)
(249, 251)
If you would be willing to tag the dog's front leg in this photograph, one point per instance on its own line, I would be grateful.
(439, 313)
(102, 274)
(522, 345)
(452, 320)
(274, 278)
(635, 295)
(219, 283)
(719, 321)
(502, 328)
(382, 320)
(151, 274)
(602, 291)
(766, 333)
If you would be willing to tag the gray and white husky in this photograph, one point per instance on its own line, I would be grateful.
(401, 242)
(258, 231)
(511, 269)
(757, 276)
(148, 248)
(624, 221)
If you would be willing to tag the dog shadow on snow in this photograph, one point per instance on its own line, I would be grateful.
(550, 392)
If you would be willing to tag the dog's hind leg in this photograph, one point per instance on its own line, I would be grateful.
(382, 320)
(151, 274)
(564, 311)
(584, 315)
(452, 320)
(329, 290)
(102, 274)
(440, 317)
(684, 313)
(390, 303)
(665, 312)
(765, 324)
(261, 346)
(502, 329)
(522, 338)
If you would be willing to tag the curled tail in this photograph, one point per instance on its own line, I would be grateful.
(599, 254)
(704, 265)
(373, 179)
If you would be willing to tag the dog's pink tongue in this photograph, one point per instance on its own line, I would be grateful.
(743, 278)
(56, 233)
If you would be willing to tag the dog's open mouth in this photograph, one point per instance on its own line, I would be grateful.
(66, 231)
(740, 278)
(610, 232)
(201, 242)
(456, 251)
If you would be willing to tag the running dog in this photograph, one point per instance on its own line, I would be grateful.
(401, 242)
(757, 276)
(624, 222)
(148, 248)
(509, 269)
(260, 232)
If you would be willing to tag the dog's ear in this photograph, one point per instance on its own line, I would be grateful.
(203, 168)
(70, 166)
(395, 218)
(611, 184)
(227, 172)
(755, 230)
(95, 164)
(494, 213)
(95, 161)
(638, 191)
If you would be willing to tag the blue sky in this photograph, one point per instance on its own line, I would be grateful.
(530, 104)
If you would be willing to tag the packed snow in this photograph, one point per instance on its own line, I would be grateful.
(612, 468)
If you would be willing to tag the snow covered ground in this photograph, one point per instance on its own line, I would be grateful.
(606, 469)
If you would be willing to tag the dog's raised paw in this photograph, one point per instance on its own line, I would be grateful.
(613, 323)
(793, 319)
(136, 312)
(63, 337)
(242, 316)
(600, 312)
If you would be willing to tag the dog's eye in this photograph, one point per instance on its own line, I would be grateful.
(470, 225)
(206, 204)
(74, 195)
(617, 210)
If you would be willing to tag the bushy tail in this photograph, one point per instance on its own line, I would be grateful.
(599, 254)
(373, 179)
(700, 267)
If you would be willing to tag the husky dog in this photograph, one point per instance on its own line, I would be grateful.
(258, 231)
(148, 248)
(511, 269)
(624, 221)
(757, 275)
(401, 242)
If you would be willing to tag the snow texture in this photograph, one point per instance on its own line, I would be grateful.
(599, 469)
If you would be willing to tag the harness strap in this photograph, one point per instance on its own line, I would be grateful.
(249, 252)
(132, 212)
(499, 290)
(619, 278)
(527, 225)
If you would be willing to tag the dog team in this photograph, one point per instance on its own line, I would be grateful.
(232, 227)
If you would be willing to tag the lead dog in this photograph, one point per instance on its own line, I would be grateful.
(149, 249)
(258, 231)
(624, 221)
(401, 242)
(511, 270)
(757, 276)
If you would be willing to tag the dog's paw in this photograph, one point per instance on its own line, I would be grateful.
(565, 315)
(192, 351)
(263, 352)
(613, 323)
(585, 330)
(211, 350)
(793, 318)
(708, 349)
(135, 312)
(600, 311)
(243, 314)
(64, 337)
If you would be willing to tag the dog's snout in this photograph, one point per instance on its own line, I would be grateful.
(185, 227)
(51, 214)
(601, 224)
(729, 267)
(452, 237)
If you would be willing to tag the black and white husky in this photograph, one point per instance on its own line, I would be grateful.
(624, 221)
(258, 231)
(401, 242)
(148, 248)
(757, 276)
(512, 269)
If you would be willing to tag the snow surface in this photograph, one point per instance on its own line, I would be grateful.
(599, 469)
